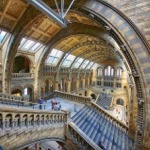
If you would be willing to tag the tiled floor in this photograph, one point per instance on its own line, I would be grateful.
(119, 113)
(71, 106)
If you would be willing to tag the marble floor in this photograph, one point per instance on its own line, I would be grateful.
(119, 113)
(68, 105)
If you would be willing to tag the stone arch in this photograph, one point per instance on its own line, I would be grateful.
(16, 89)
(120, 101)
(30, 92)
(40, 141)
(19, 31)
(133, 46)
(111, 67)
(27, 59)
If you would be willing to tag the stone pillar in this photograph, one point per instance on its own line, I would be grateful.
(88, 82)
(68, 86)
(56, 86)
(83, 85)
(3, 125)
(114, 83)
(77, 85)
(102, 82)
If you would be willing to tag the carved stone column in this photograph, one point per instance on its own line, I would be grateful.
(56, 86)
(77, 85)
(68, 86)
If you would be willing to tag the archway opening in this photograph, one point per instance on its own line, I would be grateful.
(21, 65)
(16, 92)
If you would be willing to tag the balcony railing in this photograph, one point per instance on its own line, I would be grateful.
(47, 69)
(22, 75)
(73, 97)
(31, 126)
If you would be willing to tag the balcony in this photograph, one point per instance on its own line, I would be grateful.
(22, 77)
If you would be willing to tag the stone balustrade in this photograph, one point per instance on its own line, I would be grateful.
(5, 97)
(25, 126)
(81, 139)
(109, 117)
(47, 68)
(11, 118)
(73, 97)
(19, 101)
(22, 75)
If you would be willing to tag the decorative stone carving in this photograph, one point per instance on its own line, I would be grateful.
(140, 102)
(135, 73)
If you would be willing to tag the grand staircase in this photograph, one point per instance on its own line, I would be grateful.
(104, 100)
(21, 127)
(90, 126)
(99, 129)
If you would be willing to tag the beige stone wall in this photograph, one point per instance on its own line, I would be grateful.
(27, 136)
(137, 11)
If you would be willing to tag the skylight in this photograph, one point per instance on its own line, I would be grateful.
(94, 66)
(29, 45)
(84, 64)
(90, 65)
(2, 35)
(67, 62)
(77, 62)
(54, 57)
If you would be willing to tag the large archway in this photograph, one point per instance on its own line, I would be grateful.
(21, 65)
(133, 47)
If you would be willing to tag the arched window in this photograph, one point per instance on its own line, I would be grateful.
(109, 71)
(120, 102)
(119, 72)
(99, 72)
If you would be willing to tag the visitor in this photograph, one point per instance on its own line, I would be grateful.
(59, 106)
(101, 145)
(1, 148)
(53, 102)
(40, 101)
(75, 107)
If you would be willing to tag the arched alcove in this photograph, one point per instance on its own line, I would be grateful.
(28, 93)
(120, 101)
(16, 92)
(21, 65)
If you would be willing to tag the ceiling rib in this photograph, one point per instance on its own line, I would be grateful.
(45, 9)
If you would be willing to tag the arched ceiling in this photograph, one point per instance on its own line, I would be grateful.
(10, 13)
(43, 29)
(87, 47)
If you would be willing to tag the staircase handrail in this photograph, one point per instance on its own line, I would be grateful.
(19, 100)
(109, 117)
(73, 97)
(84, 136)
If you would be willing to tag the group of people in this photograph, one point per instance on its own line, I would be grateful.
(55, 105)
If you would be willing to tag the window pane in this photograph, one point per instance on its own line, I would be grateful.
(94, 66)
(54, 57)
(78, 62)
(84, 64)
(89, 66)
(28, 44)
(2, 36)
(67, 62)
(54, 52)
(34, 47)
